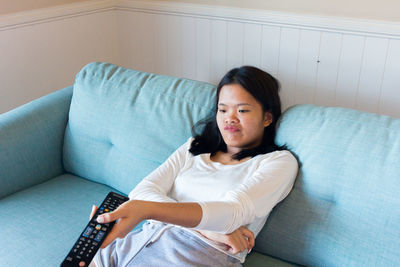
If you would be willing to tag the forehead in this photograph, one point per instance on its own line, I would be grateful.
(235, 94)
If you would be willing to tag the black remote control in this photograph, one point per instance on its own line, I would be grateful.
(94, 234)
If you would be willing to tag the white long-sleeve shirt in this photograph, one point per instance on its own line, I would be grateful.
(230, 195)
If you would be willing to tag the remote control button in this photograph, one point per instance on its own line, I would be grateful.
(99, 236)
(88, 231)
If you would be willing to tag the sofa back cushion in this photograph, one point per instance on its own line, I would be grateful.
(344, 209)
(124, 123)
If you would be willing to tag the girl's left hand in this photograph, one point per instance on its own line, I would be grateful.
(237, 241)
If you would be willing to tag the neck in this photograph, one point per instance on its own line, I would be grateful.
(232, 151)
(226, 158)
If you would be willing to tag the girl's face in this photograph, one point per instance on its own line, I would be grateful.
(240, 118)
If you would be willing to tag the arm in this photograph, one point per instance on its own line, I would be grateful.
(256, 197)
(31, 141)
(183, 214)
(132, 212)
(237, 241)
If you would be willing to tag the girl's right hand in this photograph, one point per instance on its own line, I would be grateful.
(237, 241)
(126, 217)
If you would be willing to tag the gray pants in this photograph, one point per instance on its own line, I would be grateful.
(171, 247)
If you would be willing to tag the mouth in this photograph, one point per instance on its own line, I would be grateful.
(231, 129)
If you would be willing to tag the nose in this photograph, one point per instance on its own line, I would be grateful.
(231, 118)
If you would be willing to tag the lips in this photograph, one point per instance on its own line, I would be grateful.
(231, 129)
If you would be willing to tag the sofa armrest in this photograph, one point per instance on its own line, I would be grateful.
(31, 141)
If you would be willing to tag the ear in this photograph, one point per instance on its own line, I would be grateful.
(268, 118)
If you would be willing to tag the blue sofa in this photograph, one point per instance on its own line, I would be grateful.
(63, 152)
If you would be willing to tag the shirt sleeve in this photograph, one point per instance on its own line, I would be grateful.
(156, 186)
(256, 197)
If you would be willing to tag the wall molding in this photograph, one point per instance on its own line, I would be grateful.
(363, 27)
(376, 28)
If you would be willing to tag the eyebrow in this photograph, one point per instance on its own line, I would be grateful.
(240, 104)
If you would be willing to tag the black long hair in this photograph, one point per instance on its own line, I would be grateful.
(264, 88)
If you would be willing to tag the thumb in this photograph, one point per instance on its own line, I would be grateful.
(109, 217)
(93, 212)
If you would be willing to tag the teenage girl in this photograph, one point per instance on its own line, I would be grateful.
(206, 204)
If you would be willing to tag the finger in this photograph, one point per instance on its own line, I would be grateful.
(250, 236)
(244, 243)
(110, 217)
(230, 242)
(250, 243)
(237, 243)
(240, 241)
(120, 230)
(110, 237)
(236, 248)
(93, 212)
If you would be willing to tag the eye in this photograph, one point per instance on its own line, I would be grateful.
(243, 110)
(221, 110)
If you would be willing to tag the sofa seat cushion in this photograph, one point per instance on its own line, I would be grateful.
(39, 225)
(261, 260)
(124, 123)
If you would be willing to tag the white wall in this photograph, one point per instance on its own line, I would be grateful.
(323, 61)
(320, 60)
(42, 51)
